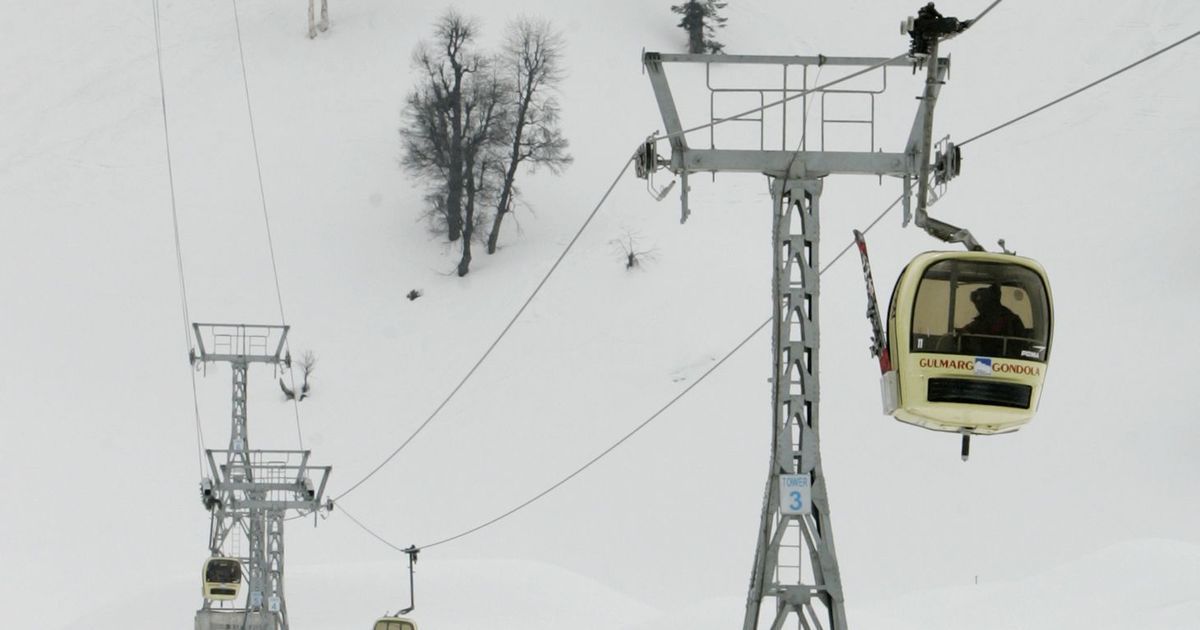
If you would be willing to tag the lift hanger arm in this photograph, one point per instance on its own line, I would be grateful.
(412, 552)
(925, 43)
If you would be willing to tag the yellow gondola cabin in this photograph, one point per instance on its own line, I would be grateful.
(969, 340)
(222, 579)
(395, 623)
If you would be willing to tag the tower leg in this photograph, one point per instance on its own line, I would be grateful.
(257, 567)
(275, 599)
(794, 562)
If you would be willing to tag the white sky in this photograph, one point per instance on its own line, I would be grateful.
(96, 430)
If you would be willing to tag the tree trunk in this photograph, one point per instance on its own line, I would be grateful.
(454, 180)
(510, 174)
(454, 222)
(694, 19)
(464, 263)
(494, 235)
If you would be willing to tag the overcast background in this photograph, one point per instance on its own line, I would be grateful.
(1086, 518)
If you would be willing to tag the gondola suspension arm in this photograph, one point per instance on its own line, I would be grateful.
(927, 30)
(412, 552)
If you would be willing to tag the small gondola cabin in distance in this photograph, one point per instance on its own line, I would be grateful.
(969, 340)
(394, 623)
(222, 579)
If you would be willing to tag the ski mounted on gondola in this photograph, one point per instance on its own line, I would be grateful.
(879, 346)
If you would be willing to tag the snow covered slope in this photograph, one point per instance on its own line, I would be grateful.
(1150, 584)
(460, 593)
(98, 458)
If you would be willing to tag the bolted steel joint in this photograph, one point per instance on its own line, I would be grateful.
(928, 27)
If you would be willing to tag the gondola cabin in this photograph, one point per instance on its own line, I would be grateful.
(222, 579)
(395, 623)
(969, 340)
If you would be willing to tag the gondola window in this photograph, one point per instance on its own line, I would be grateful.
(981, 308)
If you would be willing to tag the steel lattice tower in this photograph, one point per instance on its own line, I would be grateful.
(795, 572)
(252, 491)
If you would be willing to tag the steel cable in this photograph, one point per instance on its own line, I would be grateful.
(187, 333)
(262, 194)
(499, 337)
(745, 340)
(1082, 89)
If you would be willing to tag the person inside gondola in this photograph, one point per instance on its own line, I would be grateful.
(994, 318)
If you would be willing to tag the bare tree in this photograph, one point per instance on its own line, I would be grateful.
(485, 119)
(532, 54)
(472, 121)
(633, 255)
(308, 363)
(433, 132)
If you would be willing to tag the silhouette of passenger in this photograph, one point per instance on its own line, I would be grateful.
(994, 318)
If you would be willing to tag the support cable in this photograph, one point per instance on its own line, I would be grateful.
(686, 390)
(741, 344)
(879, 218)
(187, 332)
(343, 510)
(606, 451)
(582, 468)
(670, 403)
(738, 347)
(496, 342)
(493, 345)
(985, 12)
(262, 195)
(1086, 87)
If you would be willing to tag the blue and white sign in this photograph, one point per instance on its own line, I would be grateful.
(983, 366)
(795, 495)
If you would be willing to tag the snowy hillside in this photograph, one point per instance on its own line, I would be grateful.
(1150, 584)
(1087, 518)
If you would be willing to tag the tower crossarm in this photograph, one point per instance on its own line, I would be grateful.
(274, 483)
(666, 102)
(796, 164)
(239, 343)
(779, 60)
(784, 163)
